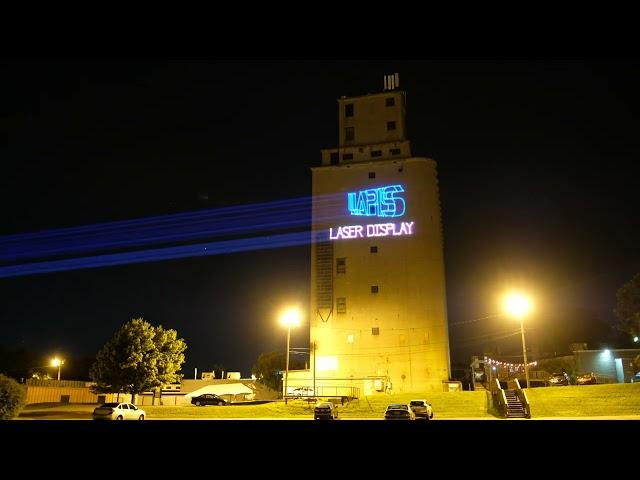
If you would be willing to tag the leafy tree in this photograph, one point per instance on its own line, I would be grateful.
(12, 398)
(628, 306)
(267, 369)
(559, 364)
(139, 358)
(40, 374)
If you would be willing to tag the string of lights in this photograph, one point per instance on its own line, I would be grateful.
(499, 363)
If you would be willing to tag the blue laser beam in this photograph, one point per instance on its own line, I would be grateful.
(159, 254)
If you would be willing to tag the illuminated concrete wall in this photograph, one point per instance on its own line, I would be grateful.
(401, 331)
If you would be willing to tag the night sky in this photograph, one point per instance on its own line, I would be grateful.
(537, 165)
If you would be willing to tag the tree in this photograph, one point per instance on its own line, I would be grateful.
(628, 306)
(559, 364)
(267, 369)
(139, 358)
(12, 398)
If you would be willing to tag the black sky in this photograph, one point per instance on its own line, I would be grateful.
(537, 166)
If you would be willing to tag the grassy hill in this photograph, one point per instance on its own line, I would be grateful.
(585, 400)
(571, 401)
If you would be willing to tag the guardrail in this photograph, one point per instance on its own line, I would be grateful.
(522, 396)
(344, 392)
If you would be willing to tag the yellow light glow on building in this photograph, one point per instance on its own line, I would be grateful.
(327, 363)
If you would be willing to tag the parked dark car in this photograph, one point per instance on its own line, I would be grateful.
(208, 399)
(559, 379)
(635, 378)
(399, 411)
(325, 411)
(586, 379)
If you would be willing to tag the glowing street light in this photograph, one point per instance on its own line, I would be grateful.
(289, 318)
(519, 305)
(56, 362)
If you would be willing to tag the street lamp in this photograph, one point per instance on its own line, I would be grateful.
(56, 362)
(289, 318)
(519, 305)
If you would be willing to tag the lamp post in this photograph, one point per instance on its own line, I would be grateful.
(519, 305)
(56, 362)
(289, 318)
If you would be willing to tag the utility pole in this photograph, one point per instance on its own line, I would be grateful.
(314, 370)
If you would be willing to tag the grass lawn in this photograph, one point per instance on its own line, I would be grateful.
(570, 401)
(585, 400)
(445, 405)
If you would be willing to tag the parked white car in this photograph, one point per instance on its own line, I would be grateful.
(422, 409)
(118, 411)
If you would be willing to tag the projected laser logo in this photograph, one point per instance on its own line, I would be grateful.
(375, 202)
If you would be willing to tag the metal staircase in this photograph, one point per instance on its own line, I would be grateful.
(515, 408)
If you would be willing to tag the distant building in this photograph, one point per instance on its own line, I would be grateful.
(70, 391)
(616, 364)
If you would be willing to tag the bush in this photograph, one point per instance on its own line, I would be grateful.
(12, 398)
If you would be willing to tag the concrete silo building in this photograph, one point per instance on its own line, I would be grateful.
(378, 317)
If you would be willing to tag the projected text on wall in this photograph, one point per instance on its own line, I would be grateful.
(386, 201)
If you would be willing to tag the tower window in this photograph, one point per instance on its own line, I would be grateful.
(374, 288)
(334, 158)
(375, 331)
(391, 125)
(348, 110)
(341, 265)
(389, 102)
(349, 134)
(347, 156)
(373, 249)
(341, 304)
(376, 153)
(394, 151)
(372, 174)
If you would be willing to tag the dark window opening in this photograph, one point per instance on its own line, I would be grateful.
(391, 125)
(341, 304)
(372, 174)
(348, 110)
(374, 288)
(389, 102)
(394, 151)
(349, 134)
(334, 158)
(347, 156)
(373, 249)
(341, 265)
(375, 331)
(376, 153)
